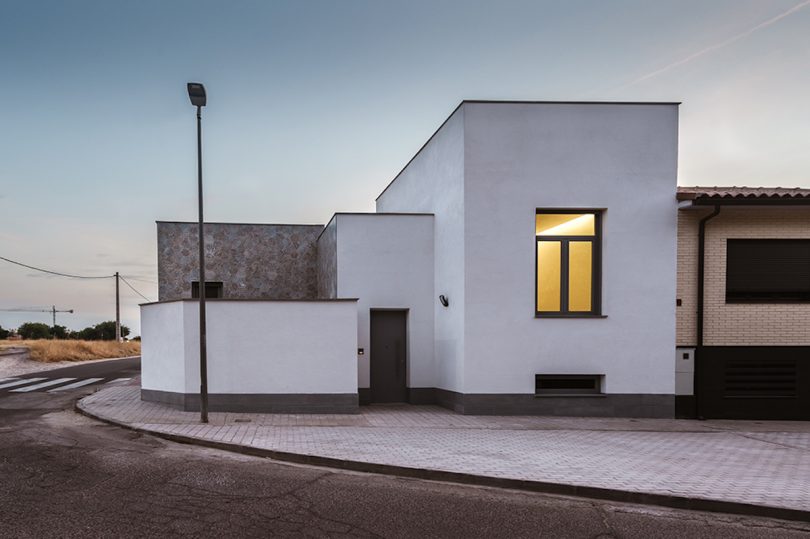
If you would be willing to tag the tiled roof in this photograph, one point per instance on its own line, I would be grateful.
(759, 193)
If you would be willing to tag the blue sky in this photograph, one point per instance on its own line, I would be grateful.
(315, 106)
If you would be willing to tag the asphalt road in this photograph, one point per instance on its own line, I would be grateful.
(64, 475)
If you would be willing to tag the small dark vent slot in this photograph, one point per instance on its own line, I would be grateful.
(213, 289)
(760, 378)
(561, 384)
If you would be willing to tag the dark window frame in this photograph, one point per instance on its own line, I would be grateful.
(799, 295)
(596, 261)
(216, 285)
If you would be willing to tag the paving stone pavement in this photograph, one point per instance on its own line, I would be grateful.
(755, 462)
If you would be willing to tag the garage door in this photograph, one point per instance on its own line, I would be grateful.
(753, 382)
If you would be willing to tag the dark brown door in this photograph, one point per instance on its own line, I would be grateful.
(388, 366)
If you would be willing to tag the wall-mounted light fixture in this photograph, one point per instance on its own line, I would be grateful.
(443, 300)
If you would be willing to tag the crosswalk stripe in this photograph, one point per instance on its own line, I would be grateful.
(118, 380)
(41, 385)
(10, 378)
(74, 385)
(20, 382)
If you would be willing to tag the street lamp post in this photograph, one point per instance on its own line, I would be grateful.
(196, 92)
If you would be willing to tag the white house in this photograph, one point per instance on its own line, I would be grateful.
(523, 262)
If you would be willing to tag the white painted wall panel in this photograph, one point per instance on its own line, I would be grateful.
(387, 262)
(519, 157)
(434, 183)
(254, 347)
(163, 352)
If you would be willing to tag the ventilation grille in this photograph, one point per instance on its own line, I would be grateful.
(567, 384)
(760, 378)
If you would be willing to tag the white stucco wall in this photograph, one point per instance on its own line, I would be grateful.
(433, 182)
(254, 347)
(520, 157)
(387, 262)
(163, 347)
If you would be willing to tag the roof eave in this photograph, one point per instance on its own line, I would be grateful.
(749, 201)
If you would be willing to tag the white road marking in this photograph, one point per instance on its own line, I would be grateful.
(42, 384)
(10, 378)
(74, 385)
(20, 382)
(118, 380)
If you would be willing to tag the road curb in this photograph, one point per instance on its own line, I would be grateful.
(72, 365)
(597, 493)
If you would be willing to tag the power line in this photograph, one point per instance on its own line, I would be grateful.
(56, 272)
(133, 288)
(143, 280)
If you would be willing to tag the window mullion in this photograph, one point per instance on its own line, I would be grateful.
(596, 278)
(564, 276)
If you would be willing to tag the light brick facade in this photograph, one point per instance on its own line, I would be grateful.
(737, 324)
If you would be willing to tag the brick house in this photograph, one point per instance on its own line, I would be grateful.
(743, 351)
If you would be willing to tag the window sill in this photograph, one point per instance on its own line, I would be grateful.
(569, 395)
(552, 315)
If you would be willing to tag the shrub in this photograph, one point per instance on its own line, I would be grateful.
(34, 330)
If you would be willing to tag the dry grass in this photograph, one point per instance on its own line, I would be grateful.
(48, 351)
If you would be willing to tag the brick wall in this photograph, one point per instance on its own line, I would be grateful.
(736, 323)
(686, 315)
(252, 261)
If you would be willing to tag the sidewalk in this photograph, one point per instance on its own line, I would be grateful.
(751, 467)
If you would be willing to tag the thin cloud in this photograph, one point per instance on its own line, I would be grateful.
(720, 45)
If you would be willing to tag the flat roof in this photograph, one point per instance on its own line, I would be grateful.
(231, 224)
(516, 102)
(553, 102)
(245, 300)
(376, 214)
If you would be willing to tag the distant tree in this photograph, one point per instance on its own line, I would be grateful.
(59, 332)
(105, 331)
(34, 330)
(4, 333)
(86, 334)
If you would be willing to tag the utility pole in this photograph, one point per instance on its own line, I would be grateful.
(117, 310)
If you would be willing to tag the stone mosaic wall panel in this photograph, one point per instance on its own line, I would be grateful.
(252, 261)
(327, 261)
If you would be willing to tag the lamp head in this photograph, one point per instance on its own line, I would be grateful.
(196, 92)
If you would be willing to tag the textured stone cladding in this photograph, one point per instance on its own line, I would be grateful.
(741, 324)
(252, 261)
(327, 261)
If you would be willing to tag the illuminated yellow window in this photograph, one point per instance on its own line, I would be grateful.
(565, 224)
(567, 263)
(580, 276)
(548, 276)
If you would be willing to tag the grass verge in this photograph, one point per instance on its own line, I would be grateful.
(48, 351)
